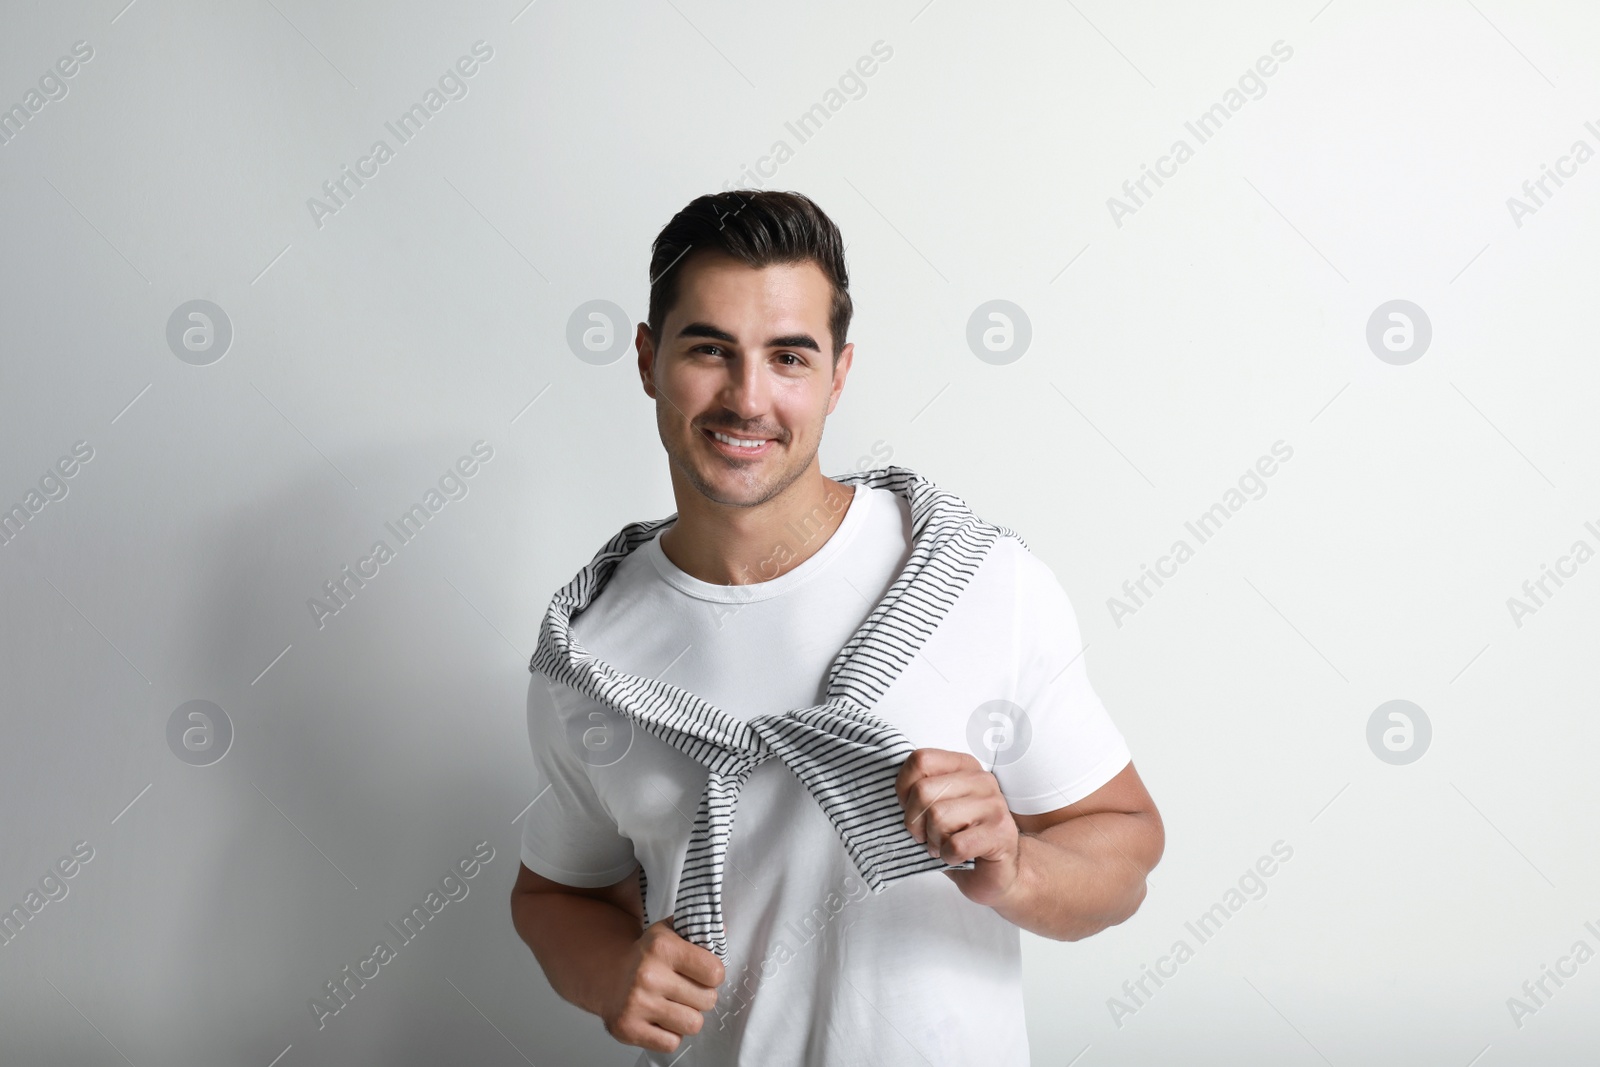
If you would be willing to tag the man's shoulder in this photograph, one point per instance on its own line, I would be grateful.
(1009, 559)
(1028, 567)
(631, 580)
(1035, 588)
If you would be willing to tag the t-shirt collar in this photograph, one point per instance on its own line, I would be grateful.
(673, 575)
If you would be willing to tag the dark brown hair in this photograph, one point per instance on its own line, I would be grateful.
(758, 227)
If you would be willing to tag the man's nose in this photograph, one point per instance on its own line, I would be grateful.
(747, 391)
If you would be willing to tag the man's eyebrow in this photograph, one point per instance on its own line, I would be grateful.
(705, 329)
(795, 340)
(716, 333)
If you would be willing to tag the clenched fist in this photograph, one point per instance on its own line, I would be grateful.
(662, 990)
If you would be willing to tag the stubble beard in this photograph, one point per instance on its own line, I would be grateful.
(754, 491)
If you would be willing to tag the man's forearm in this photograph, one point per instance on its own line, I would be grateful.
(1082, 875)
(579, 942)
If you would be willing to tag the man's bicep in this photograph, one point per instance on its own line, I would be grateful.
(1124, 794)
(1137, 833)
(624, 893)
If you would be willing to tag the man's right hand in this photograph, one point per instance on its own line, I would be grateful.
(662, 990)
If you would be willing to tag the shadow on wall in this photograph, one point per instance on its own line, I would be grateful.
(379, 761)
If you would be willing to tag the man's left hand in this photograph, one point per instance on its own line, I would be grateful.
(956, 808)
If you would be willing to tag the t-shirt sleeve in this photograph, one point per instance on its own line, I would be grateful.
(568, 836)
(1069, 747)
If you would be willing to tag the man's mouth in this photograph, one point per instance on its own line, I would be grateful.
(734, 445)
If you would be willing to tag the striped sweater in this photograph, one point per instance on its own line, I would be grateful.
(846, 757)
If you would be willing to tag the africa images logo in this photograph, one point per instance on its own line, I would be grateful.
(453, 887)
(452, 86)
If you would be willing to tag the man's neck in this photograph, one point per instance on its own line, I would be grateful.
(726, 545)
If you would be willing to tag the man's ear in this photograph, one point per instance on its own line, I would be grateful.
(647, 358)
(842, 368)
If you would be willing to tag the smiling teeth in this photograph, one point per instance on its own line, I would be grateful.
(736, 442)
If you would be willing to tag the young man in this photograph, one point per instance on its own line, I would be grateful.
(746, 600)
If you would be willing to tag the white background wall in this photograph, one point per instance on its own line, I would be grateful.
(1171, 347)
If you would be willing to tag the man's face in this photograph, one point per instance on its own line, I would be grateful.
(745, 353)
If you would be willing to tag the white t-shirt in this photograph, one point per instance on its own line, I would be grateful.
(820, 970)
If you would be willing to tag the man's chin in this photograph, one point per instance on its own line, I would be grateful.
(739, 484)
(732, 487)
